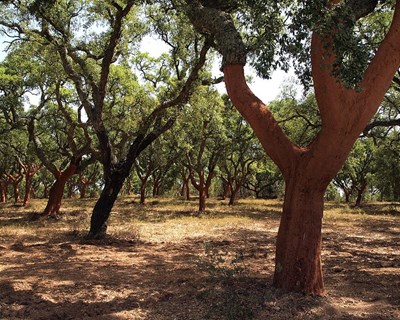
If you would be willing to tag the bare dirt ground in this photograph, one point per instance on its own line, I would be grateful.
(161, 262)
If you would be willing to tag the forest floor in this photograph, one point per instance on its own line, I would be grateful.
(161, 261)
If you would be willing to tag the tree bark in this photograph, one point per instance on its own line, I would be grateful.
(232, 198)
(347, 195)
(57, 190)
(360, 193)
(28, 185)
(15, 184)
(83, 190)
(227, 189)
(202, 197)
(298, 247)
(143, 186)
(3, 192)
(29, 171)
(103, 206)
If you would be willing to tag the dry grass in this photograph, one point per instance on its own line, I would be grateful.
(163, 261)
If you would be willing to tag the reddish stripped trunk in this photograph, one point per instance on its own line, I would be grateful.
(30, 171)
(57, 191)
(15, 185)
(298, 248)
(28, 185)
(202, 197)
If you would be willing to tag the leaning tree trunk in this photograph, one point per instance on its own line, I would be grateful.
(103, 206)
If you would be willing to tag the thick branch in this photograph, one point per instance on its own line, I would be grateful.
(383, 67)
(220, 26)
(273, 139)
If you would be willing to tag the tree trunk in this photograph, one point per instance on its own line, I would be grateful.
(2, 193)
(28, 184)
(103, 206)
(298, 249)
(234, 192)
(227, 189)
(143, 192)
(187, 189)
(70, 190)
(16, 190)
(83, 190)
(232, 198)
(57, 190)
(360, 193)
(347, 195)
(128, 187)
(202, 199)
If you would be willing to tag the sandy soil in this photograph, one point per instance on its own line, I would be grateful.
(174, 269)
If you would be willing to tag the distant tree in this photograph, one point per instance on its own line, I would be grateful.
(241, 152)
(203, 139)
(387, 175)
(264, 179)
(88, 62)
(357, 171)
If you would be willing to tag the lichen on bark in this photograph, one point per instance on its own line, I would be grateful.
(220, 26)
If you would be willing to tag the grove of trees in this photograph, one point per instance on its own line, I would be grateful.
(85, 110)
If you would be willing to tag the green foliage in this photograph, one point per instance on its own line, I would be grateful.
(299, 120)
(387, 176)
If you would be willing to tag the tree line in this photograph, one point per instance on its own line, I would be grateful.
(104, 103)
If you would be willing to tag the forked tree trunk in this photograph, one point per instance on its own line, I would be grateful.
(29, 171)
(298, 248)
(56, 192)
(15, 184)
